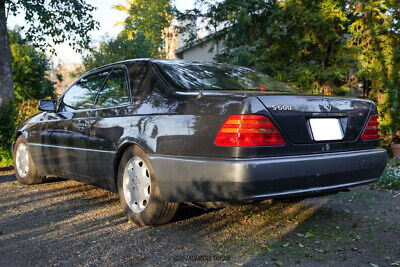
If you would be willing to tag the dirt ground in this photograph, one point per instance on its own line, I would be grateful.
(66, 223)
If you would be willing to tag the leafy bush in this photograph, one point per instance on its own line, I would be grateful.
(391, 176)
(8, 118)
(6, 159)
(392, 107)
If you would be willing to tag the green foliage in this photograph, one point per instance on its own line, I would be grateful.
(336, 47)
(6, 159)
(30, 69)
(63, 21)
(8, 118)
(7, 125)
(31, 83)
(391, 176)
(375, 41)
(299, 42)
(149, 17)
(118, 49)
(30, 75)
(390, 107)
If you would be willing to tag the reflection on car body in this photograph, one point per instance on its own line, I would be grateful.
(163, 132)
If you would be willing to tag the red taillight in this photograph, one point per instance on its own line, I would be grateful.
(248, 130)
(371, 131)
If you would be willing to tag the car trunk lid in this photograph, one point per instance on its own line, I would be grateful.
(294, 112)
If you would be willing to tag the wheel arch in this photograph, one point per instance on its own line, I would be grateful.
(121, 150)
(16, 135)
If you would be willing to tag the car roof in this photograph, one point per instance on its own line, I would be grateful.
(151, 60)
(119, 63)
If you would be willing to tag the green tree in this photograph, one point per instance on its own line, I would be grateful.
(340, 47)
(118, 49)
(300, 42)
(374, 42)
(30, 68)
(375, 37)
(62, 20)
(149, 17)
(389, 109)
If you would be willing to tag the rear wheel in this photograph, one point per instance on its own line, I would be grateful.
(25, 169)
(138, 191)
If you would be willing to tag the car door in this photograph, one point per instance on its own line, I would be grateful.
(108, 122)
(65, 138)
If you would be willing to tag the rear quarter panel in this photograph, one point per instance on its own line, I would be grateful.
(184, 125)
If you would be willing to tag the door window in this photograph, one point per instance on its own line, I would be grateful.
(83, 94)
(115, 91)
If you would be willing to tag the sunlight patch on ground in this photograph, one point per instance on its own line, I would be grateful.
(256, 228)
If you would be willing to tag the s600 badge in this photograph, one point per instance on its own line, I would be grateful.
(281, 107)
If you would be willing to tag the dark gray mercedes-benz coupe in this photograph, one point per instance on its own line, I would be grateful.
(163, 132)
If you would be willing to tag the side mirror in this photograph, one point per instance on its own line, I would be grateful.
(47, 105)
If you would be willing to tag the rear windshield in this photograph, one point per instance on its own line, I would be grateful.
(193, 76)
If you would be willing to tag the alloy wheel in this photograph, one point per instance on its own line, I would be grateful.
(136, 184)
(22, 160)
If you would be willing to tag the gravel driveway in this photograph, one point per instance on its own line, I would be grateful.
(64, 222)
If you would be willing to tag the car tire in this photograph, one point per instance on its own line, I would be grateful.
(25, 169)
(138, 191)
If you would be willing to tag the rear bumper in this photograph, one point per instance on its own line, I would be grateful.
(183, 179)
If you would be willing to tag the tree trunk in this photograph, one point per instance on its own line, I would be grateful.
(6, 78)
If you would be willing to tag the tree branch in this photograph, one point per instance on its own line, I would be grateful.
(8, 8)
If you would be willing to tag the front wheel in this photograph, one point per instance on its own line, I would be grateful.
(138, 191)
(25, 169)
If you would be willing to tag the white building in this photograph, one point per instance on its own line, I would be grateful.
(204, 49)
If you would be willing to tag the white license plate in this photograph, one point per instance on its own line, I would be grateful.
(324, 129)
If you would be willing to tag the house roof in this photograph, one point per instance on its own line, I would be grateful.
(197, 42)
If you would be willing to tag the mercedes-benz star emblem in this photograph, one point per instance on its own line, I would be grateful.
(327, 106)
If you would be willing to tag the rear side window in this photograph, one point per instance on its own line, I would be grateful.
(115, 91)
(137, 73)
(83, 94)
(144, 82)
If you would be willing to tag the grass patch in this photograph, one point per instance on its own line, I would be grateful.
(391, 176)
